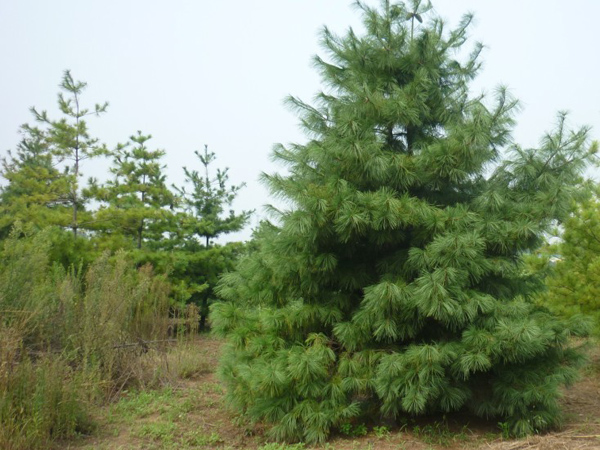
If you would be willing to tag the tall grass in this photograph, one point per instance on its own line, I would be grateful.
(70, 337)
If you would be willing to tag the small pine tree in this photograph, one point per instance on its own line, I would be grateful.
(394, 284)
(68, 139)
(137, 203)
(204, 218)
(206, 202)
(36, 192)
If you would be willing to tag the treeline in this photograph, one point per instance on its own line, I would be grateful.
(172, 227)
(97, 277)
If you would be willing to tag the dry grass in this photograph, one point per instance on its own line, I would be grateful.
(69, 340)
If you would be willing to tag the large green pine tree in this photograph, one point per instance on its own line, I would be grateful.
(394, 283)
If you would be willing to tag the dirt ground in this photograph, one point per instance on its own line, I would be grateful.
(192, 416)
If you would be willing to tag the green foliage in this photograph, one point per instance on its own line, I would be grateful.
(353, 430)
(136, 206)
(439, 433)
(39, 402)
(205, 203)
(276, 446)
(39, 398)
(394, 284)
(158, 431)
(69, 141)
(195, 261)
(38, 193)
(35, 189)
(136, 211)
(504, 429)
(381, 431)
(574, 264)
(194, 270)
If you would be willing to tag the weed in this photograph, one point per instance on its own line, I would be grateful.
(157, 431)
(438, 433)
(353, 430)
(137, 405)
(504, 429)
(381, 432)
(199, 439)
(185, 362)
(278, 446)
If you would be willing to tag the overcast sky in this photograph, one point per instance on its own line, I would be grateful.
(215, 72)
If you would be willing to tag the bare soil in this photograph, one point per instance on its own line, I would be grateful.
(206, 423)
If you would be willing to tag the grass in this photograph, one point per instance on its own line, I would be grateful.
(439, 433)
(160, 419)
(139, 405)
(73, 339)
(279, 446)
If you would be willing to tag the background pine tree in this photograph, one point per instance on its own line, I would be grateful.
(393, 285)
(205, 200)
(36, 191)
(197, 259)
(574, 264)
(68, 140)
(136, 205)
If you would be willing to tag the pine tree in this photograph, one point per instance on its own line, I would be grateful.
(200, 260)
(206, 202)
(36, 192)
(38, 196)
(68, 138)
(394, 284)
(574, 264)
(137, 204)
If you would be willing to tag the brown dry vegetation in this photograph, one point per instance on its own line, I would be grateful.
(190, 414)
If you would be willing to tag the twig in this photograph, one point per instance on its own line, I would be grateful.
(143, 343)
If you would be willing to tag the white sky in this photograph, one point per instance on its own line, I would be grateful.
(195, 72)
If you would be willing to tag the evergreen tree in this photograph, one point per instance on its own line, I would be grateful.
(38, 196)
(137, 203)
(574, 264)
(69, 140)
(198, 260)
(36, 192)
(206, 202)
(394, 284)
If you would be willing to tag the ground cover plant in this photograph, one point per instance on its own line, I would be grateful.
(393, 285)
